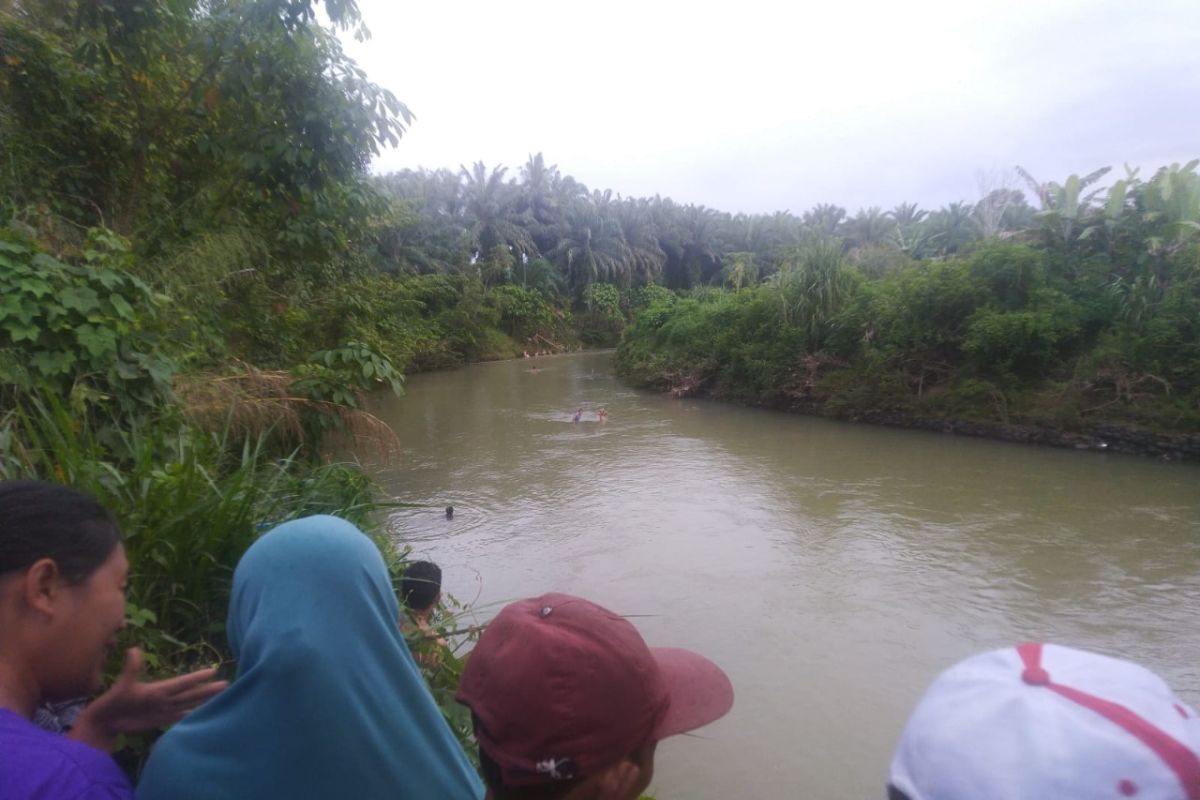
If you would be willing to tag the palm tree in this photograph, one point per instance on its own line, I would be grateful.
(700, 248)
(870, 226)
(764, 235)
(646, 255)
(591, 249)
(426, 228)
(538, 199)
(953, 228)
(908, 214)
(824, 219)
(489, 202)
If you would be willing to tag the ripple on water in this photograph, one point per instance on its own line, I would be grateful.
(429, 524)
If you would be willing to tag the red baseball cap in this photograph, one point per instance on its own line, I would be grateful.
(561, 688)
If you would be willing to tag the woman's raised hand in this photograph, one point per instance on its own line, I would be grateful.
(132, 705)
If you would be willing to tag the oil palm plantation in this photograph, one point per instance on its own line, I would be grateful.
(590, 249)
(490, 209)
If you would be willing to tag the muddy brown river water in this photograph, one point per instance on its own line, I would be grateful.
(832, 569)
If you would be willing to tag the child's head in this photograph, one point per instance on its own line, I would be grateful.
(1047, 721)
(566, 695)
(421, 586)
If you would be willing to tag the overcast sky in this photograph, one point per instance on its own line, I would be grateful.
(765, 106)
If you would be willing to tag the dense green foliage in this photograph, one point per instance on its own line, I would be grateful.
(199, 281)
(188, 296)
(1090, 315)
(78, 326)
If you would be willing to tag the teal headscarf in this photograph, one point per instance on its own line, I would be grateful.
(328, 702)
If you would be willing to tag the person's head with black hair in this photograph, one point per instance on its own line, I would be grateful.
(62, 601)
(421, 586)
(62, 591)
(40, 520)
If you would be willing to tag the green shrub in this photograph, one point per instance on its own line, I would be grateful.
(1026, 343)
(342, 374)
(638, 298)
(79, 328)
(524, 312)
(1011, 273)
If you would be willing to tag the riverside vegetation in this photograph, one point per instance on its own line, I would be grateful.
(1075, 323)
(199, 283)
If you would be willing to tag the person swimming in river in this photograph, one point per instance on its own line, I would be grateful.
(578, 415)
(602, 415)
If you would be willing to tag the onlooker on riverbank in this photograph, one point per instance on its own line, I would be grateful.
(328, 702)
(569, 702)
(1043, 721)
(62, 601)
(420, 590)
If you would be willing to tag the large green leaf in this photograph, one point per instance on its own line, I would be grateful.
(96, 340)
(80, 298)
(123, 308)
(21, 331)
(51, 363)
(13, 306)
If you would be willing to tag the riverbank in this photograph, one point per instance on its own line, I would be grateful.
(1100, 436)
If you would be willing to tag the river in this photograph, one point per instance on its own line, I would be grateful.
(831, 569)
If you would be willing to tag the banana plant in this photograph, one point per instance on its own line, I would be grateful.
(1115, 205)
(1172, 202)
(1065, 208)
(739, 270)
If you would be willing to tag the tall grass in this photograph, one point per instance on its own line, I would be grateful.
(188, 504)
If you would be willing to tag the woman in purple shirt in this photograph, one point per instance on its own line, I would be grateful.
(62, 601)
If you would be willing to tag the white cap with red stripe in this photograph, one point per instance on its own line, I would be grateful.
(1044, 722)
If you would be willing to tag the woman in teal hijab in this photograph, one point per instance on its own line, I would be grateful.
(328, 702)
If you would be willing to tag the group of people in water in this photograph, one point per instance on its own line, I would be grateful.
(601, 415)
(567, 700)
